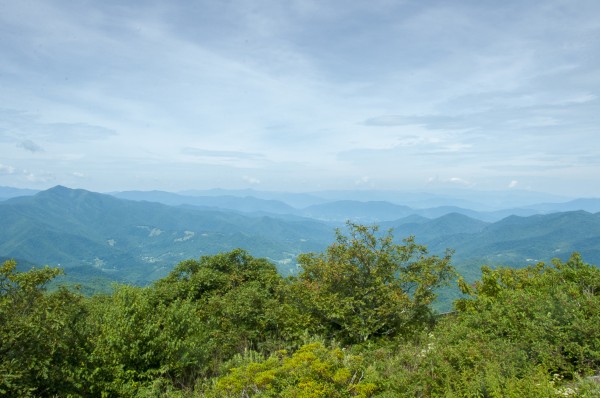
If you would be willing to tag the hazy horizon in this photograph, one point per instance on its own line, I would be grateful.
(301, 96)
(466, 198)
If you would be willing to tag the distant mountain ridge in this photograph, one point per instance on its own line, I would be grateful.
(246, 204)
(446, 225)
(10, 192)
(339, 211)
(95, 234)
(539, 237)
(367, 212)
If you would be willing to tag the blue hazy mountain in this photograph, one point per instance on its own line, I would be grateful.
(95, 235)
(591, 205)
(447, 225)
(296, 200)
(366, 211)
(9, 192)
(245, 204)
(484, 201)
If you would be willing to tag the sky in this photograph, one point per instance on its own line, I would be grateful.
(301, 95)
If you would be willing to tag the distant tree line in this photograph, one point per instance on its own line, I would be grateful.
(357, 321)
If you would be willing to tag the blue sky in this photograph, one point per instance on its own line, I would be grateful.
(301, 95)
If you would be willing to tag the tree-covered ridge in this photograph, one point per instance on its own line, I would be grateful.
(99, 239)
(356, 321)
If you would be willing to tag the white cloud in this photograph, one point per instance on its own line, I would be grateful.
(5, 169)
(362, 181)
(225, 157)
(251, 180)
(437, 181)
(35, 178)
(513, 184)
(459, 181)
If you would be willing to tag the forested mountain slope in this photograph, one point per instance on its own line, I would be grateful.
(541, 237)
(139, 241)
(95, 235)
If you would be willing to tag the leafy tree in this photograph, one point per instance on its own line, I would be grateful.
(137, 340)
(550, 311)
(42, 351)
(529, 332)
(239, 298)
(365, 286)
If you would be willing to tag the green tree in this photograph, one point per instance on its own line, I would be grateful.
(550, 311)
(239, 298)
(366, 286)
(42, 351)
(529, 332)
(136, 340)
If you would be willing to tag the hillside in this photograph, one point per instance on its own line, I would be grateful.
(140, 241)
(446, 225)
(538, 237)
(94, 235)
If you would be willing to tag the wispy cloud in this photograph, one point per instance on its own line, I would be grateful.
(456, 181)
(5, 169)
(30, 146)
(221, 154)
(19, 124)
(37, 178)
(251, 180)
(232, 158)
(311, 93)
(432, 122)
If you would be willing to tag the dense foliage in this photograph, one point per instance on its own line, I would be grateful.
(365, 286)
(357, 321)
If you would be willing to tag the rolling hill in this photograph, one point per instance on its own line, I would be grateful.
(95, 235)
(140, 241)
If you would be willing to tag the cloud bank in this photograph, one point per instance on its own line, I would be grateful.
(301, 95)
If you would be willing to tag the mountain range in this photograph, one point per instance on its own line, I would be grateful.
(140, 241)
(336, 210)
(137, 241)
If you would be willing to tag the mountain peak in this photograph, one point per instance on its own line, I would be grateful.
(62, 190)
(62, 193)
(59, 188)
